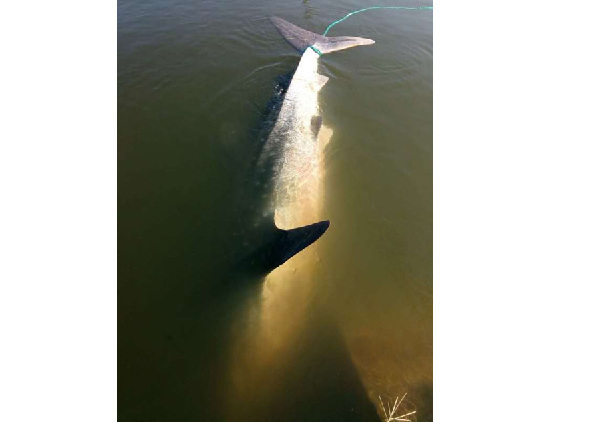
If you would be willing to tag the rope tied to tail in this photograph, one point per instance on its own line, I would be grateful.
(316, 50)
(372, 8)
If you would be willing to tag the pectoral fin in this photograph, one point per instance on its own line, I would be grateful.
(289, 242)
(277, 246)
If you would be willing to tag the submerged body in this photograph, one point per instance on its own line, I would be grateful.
(293, 158)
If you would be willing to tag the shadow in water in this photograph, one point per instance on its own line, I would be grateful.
(317, 382)
(174, 366)
(425, 402)
(173, 331)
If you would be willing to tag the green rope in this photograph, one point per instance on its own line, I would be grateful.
(316, 50)
(375, 7)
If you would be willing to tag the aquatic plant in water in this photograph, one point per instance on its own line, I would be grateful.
(390, 411)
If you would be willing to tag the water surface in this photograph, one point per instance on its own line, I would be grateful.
(198, 341)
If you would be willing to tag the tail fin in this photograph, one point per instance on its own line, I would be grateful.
(301, 39)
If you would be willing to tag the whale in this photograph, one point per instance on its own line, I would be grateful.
(291, 156)
(286, 187)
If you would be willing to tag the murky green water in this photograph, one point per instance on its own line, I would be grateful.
(199, 341)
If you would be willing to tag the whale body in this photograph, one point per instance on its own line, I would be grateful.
(292, 153)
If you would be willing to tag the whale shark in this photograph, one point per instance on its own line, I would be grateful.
(292, 154)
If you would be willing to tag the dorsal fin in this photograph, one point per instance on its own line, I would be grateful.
(320, 81)
(315, 124)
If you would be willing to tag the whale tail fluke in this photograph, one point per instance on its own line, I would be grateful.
(301, 39)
